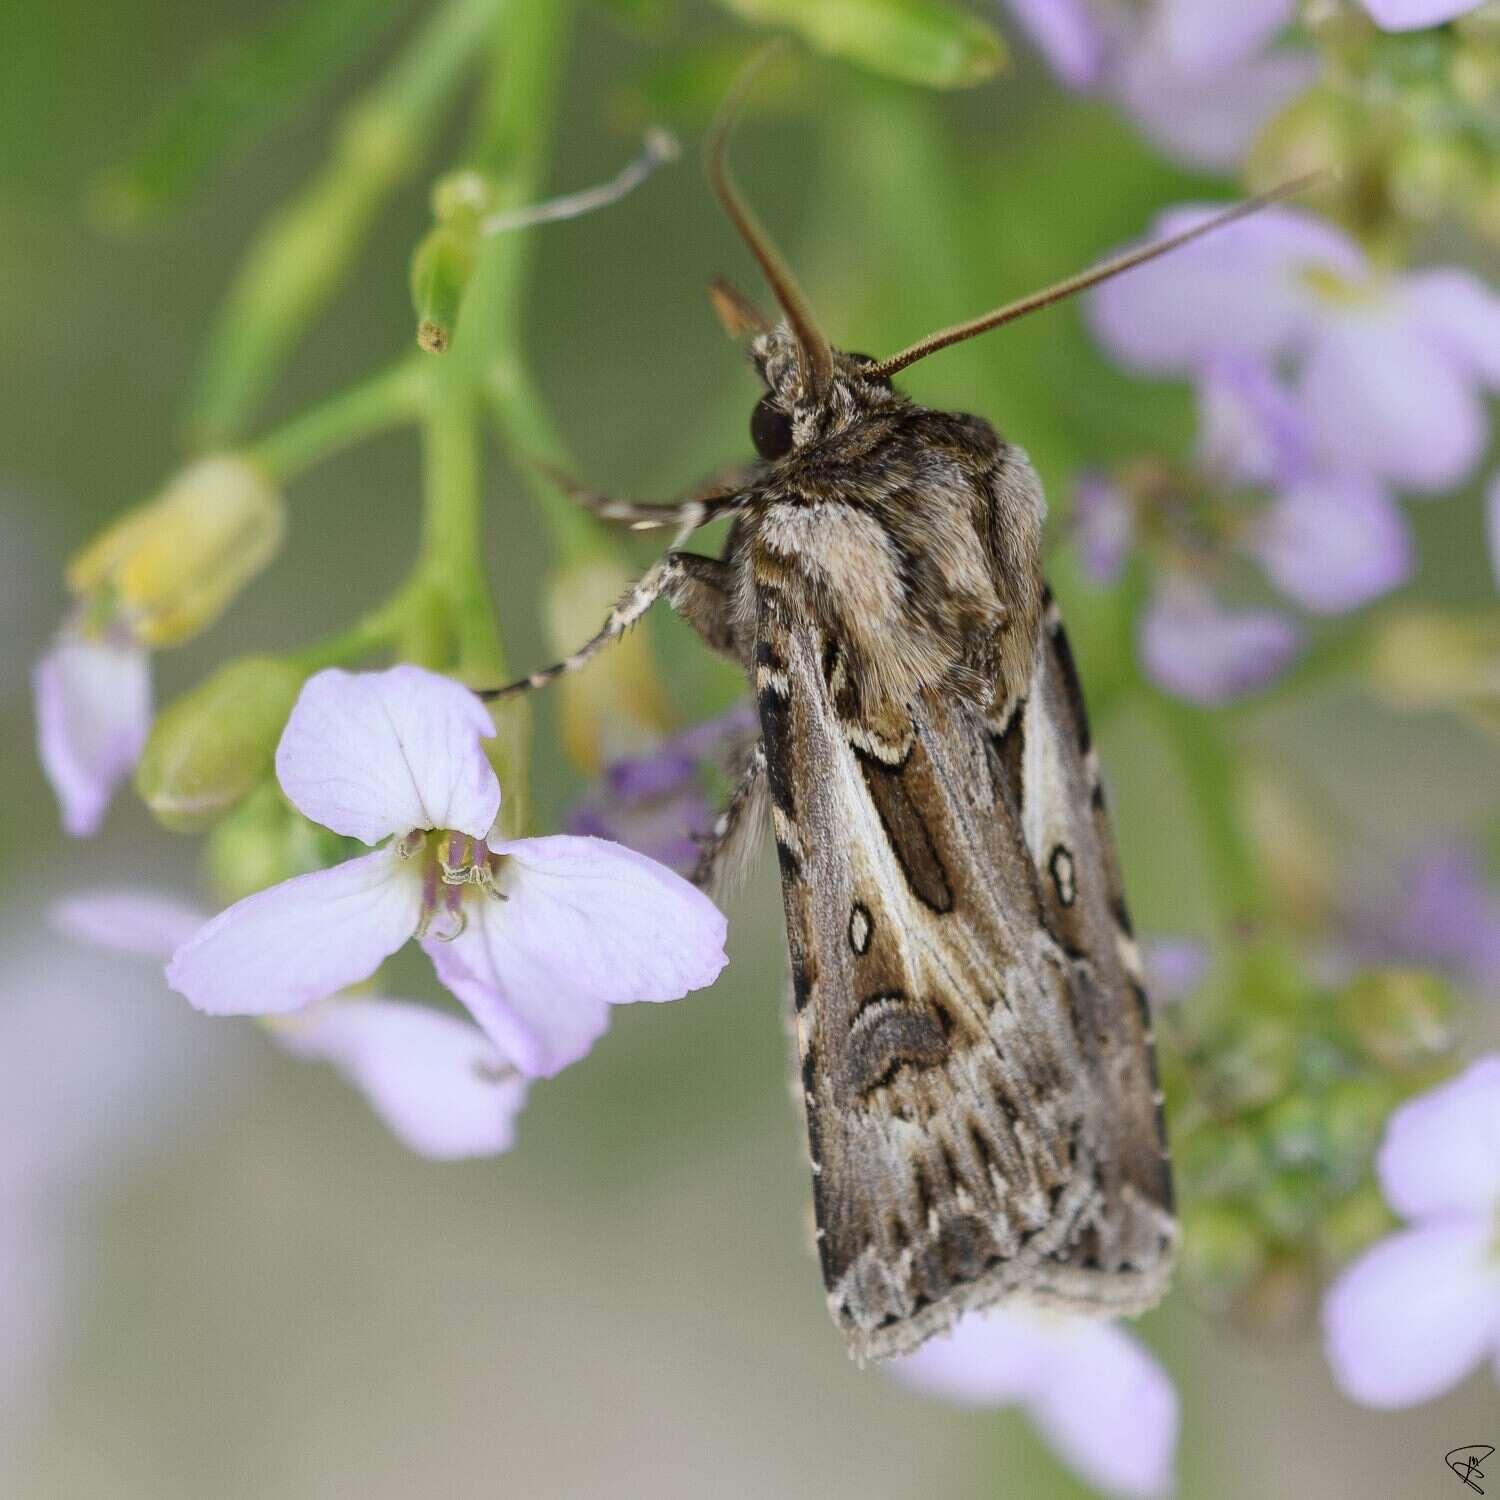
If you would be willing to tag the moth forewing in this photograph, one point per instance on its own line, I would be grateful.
(975, 1056)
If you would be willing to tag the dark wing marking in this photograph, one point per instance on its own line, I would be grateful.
(971, 1112)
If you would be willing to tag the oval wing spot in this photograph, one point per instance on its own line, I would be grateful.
(1064, 881)
(860, 927)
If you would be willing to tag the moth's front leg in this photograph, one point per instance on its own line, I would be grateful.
(733, 830)
(698, 589)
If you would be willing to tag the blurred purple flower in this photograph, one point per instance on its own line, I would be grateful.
(1410, 15)
(1103, 525)
(1414, 1314)
(537, 937)
(1330, 542)
(654, 803)
(1197, 79)
(441, 1087)
(1389, 369)
(1175, 967)
(94, 1075)
(1442, 912)
(1250, 430)
(1195, 649)
(1094, 1392)
(93, 712)
(1334, 544)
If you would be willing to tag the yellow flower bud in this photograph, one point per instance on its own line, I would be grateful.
(615, 706)
(215, 744)
(170, 567)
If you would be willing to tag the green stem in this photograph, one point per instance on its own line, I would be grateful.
(390, 398)
(302, 255)
(373, 631)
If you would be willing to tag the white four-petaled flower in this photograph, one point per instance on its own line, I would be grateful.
(537, 937)
(1418, 1311)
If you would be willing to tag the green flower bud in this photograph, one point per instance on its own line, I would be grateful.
(1399, 1018)
(1219, 1161)
(918, 41)
(1354, 1116)
(1432, 174)
(1435, 659)
(1355, 1221)
(266, 840)
(215, 744)
(1252, 1063)
(441, 270)
(1291, 1203)
(1293, 1132)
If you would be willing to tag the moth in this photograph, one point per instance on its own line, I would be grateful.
(973, 1034)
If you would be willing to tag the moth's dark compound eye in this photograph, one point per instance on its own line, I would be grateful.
(770, 430)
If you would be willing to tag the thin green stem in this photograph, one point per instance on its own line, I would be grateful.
(390, 398)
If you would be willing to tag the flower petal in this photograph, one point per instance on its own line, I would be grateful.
(1250, 427)
(1414, 1314)
(302, 940)
(93, 712)
(1460, 312)
(1209, 120)
(370, 754)
(990, 1359)
(1193, 648)
(1199, 38)
(154, 924)
(1109, 1409)
(1103, 525)
(1241, 289)
(1067, 35)
(1410, 15)
(584, 924)
(1441, 1152)
(1382, 398)
(1334, 544)
(1097, 1396)
(440, 1085)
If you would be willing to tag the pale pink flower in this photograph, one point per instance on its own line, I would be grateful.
(1412, 15)
(1388, 370)
(537, 937)
(1094, 1392)
(1195, 648)
(93, 713)
(441, 1087)
(1420, 1309)
(1199, 80)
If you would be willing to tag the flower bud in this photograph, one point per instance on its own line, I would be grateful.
(1400, 1018)
(612, 709)
(1353, 1222)
(170, 567)
(215, 744)
(1219, 1160)
(266, 840)
(918, 41)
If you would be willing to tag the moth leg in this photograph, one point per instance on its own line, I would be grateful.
(720, 497)
(697, 587)
(734, 826)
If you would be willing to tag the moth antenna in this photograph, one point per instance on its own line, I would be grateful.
(735, 311)
(1060, 291)
(814, 355)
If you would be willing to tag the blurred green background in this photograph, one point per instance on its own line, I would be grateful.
(284, 1302)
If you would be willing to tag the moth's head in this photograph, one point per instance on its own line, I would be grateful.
(790, 415)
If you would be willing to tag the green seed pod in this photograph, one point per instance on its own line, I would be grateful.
(215, 744)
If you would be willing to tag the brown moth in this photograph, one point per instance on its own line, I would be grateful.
(974, 1038)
